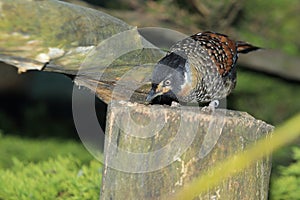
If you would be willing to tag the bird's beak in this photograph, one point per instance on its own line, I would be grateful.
(152, 94)
(156, 92)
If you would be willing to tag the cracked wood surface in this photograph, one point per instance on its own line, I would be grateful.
(153, 151)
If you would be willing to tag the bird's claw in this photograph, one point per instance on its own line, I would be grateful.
(212, 106)
(175, 104)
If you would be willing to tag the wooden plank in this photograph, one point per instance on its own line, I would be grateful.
(44, 31)
(93, 47)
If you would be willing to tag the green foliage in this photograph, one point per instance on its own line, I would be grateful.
(60, 178)
(32, 150)
(273, 24)
(286, 185)
(270, 99)
(47, 169)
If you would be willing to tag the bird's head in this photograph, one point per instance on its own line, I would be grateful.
(162, 92)
(167, 80)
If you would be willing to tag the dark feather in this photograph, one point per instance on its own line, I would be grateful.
(244, 47)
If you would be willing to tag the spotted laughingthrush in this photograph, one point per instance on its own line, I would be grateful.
(200, 68)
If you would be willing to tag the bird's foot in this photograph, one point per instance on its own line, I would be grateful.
(212, 106)
(175, 104)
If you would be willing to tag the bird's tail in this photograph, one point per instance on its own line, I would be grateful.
(244, 47)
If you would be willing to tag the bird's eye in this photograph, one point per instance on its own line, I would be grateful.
(167, 82)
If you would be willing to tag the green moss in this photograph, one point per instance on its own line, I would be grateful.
(59, 178)
(47, 169)
(19, 18)
(286, 184)
(34, 151)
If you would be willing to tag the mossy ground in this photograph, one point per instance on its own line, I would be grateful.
(50, 169)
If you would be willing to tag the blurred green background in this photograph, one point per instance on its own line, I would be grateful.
(36, 124)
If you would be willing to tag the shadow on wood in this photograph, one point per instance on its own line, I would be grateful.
(153, 151)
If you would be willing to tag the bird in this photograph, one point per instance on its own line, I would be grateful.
(200, 68)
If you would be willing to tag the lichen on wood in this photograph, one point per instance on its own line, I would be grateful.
(60, 37)
(153, 151)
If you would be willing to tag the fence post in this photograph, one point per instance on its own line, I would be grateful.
(153, 151)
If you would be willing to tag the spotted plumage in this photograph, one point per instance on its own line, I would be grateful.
(199, 68)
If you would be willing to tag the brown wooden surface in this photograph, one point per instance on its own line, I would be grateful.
(153, 151)
(60, 37)
(34, 31)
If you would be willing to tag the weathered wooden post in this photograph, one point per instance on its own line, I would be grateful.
(153, 151)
